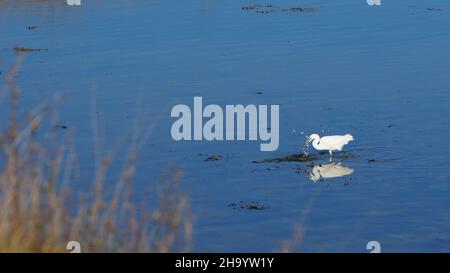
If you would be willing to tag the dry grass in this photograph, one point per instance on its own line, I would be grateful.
(40, 208)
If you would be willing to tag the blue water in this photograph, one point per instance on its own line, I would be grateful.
(380, 73)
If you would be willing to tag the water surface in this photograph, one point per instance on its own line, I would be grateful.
(379, 73)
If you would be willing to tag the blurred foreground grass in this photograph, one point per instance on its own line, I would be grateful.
(40, 208)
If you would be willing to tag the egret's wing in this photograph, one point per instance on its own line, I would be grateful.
(335, 142)
(330, 142)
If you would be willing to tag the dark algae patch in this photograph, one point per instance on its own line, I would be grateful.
(213, 158)
(265, 9)
(289, 158)
(26, 49)
(300, 9)
(61, 126)
(259, 8)
(434, 9)
(249, 205)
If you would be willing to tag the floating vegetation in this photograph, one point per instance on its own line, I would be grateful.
(289, 158)
(265, 9)
(434, 9)
(213, 158)
(26, 49)
(250, 205)
(300, 9)
(382, 160)
(259, 8)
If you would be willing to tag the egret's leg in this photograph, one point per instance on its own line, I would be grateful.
(331, 155)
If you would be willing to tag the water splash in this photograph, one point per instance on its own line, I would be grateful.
(306, 147)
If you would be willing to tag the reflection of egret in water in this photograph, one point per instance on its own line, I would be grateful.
(330, 170)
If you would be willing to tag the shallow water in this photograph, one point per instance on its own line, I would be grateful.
(379, 73)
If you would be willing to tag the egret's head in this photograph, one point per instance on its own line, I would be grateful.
(313, 137)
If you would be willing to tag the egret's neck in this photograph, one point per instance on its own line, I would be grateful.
(315, 144)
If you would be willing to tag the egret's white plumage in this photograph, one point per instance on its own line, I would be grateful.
(330, 143)
(330, 170)
(73, 2)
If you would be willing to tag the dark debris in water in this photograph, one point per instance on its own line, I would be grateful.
(32, 27)
(382, 160)
(300, 9)
(259, 8)
(289, 158)
(265, 9)
(26, 49)
(434, 9)
(252, 7)
(60, 126)
(249, 205)
(213, 158)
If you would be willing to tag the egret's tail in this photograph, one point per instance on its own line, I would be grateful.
(348, 137)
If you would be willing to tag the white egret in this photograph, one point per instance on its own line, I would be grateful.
(330, 170)
(73, 2)
(330, 143)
